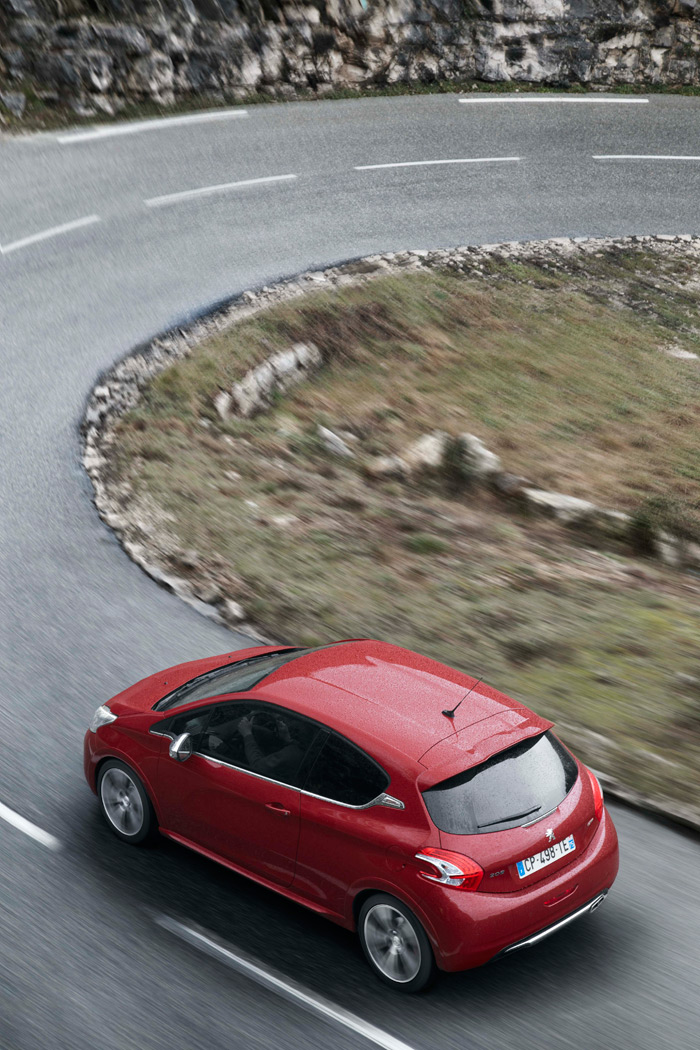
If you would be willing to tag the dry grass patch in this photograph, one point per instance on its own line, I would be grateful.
(573, 392)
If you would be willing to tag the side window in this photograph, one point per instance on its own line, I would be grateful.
(345, 774)
(259, 738)
(193, 722)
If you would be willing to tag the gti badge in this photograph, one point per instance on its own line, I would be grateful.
(550, 835)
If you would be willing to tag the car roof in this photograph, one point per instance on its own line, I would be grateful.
(385, 697)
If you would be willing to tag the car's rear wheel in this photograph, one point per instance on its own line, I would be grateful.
(395, 944)
(125, 805)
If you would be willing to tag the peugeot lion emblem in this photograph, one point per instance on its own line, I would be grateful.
(550, 835)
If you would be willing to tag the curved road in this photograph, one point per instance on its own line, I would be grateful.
(87, 270)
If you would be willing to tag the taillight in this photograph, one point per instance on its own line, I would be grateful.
(597, 796)
(451, 869)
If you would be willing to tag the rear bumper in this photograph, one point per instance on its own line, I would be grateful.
(535, 938)
(470, 929)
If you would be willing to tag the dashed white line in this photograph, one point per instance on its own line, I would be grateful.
(275, 982)
(26, 826)
(205, 191)
(106, 131)
(554, 98)
(421, 163)
(643, 156)
(45, 235)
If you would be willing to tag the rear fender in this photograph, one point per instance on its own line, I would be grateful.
(364, 887)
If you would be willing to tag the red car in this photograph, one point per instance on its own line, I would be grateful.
(443, 821)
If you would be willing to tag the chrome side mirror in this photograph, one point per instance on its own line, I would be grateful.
(181, 748)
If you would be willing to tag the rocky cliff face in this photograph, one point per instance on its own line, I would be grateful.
(101, 54)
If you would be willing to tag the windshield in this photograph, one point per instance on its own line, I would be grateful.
(233, 678)
(511, 789)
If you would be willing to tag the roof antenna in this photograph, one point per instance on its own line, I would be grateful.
(451, 714)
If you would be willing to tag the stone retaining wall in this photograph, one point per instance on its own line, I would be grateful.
(99, 55)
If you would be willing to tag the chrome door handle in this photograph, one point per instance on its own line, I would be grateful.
(278, 808)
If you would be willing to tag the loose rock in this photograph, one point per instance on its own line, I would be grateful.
(279, 372)
(567, 509)
(14, 101)
(233, 611)
(386, 467)
(479, 462)
(334, 444)
(426, 453)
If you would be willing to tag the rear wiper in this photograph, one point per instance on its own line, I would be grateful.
(513, 816)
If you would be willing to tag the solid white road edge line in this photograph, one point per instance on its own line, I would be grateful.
(46, 235)
(106, 131)
(555, 98)
(642, 156)
(275, 982)
(421, 163)
(204, 191)
(22, 824)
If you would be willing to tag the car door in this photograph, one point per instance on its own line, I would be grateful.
(239, 802)
(341, 841)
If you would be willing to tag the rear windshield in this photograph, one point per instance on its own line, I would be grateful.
(509, 790)
(233, 678)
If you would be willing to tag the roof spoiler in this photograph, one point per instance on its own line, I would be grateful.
(454, 755)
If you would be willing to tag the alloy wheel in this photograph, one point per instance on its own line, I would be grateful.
(121, 801)
(392, 943)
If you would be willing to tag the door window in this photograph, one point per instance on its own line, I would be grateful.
(193, 722)
(345, 774)
(259, 738)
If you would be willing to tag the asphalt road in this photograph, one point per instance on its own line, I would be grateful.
(83, 964)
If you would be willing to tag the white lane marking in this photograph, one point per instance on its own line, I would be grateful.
(555, 98)
(46, 235)
(205, 191)
(643, 156)
(22, 824)
(106, 131)
(421, 163)
(275, 982)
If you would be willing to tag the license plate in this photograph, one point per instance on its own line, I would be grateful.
(547, 856)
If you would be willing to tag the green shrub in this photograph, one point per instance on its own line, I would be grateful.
(457, 468)
(661, 513)
(421, 543)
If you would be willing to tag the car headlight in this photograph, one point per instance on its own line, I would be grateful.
(102, 717)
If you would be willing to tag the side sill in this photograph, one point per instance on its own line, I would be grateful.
(276, 887)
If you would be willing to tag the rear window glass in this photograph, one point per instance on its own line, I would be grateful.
(507, 791)
(233, 678)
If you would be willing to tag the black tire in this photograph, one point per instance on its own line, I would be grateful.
(124, 802)
(395, 944)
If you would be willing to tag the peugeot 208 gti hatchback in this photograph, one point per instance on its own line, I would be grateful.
(443, 821)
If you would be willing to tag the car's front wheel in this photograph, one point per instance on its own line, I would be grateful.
(395, 944)
(125, 805)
